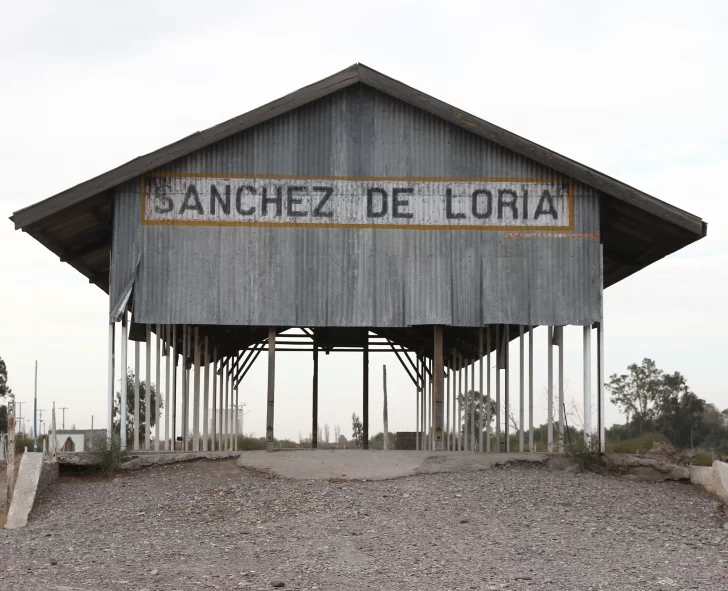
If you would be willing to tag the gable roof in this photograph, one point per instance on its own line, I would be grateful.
(50, 220)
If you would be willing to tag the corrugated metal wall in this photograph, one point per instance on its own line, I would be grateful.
(356, 277)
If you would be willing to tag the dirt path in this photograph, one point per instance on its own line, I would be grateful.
(212, 525)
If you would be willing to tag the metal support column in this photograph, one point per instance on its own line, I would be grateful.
(148, 391)
(497, 388)
(206, 396)
(530, 388)
(481, 394)
(314, 410)
(110, 383)
(196, 393)
(587, 386)
(438, 367)
(122, 405)
(137, 367)
(488, 405)
(550, 390)
(158, 392)
(271, 387)
(521, 413)
(365, 393)
(166, 386)
(561, 387)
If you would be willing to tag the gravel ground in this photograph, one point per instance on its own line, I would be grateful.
(212, 525)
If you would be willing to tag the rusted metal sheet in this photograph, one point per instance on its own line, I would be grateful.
(351, 270)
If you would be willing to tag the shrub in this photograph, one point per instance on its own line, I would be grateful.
(636, 445)
(105, 454)
(703, 460)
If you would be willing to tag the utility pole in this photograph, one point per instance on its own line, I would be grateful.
(35, 406)
(63, 410)
(19, 417)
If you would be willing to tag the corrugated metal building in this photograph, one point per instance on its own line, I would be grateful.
(356, 204)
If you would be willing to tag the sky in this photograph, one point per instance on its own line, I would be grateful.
(635, 90)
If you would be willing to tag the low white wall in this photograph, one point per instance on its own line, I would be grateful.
(714, 479)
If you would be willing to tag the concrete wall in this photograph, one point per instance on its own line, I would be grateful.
(714, 479)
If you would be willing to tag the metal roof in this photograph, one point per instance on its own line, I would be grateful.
(636, 228)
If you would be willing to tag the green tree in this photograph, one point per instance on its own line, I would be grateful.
(473, 400)
(637, 392)
(377, 442)
(5, 391)
(357, 430)
(130, 408)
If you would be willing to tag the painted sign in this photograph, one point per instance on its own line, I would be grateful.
(465, 204)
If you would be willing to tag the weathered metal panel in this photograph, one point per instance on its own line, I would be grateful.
(359, 276)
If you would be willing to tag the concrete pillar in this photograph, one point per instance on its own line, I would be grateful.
(271, 387)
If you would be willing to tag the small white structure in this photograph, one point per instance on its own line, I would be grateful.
(76, 439)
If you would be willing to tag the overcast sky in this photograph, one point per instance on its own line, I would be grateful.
(637, 90)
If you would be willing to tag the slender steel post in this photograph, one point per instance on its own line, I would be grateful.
(110, 387)
(213, 440)
(438, 372)
(137, 368)
(498, 354)
(35, 400)
(271, 386)
(530, 388)
(365, 396)
(481, 394)
(462, 408)
(550, 389)
(225, 431)
(487, 396)
(601, 370)
(167, 363)
(206, 397)
(157, 387)
(521, 432)
(148, 392)
(423, 405)
(472, 406)
(507, 371)
(448, 387)
(236, 414)
(587, 386)
(185, 381)
(561, 387)
(314, 396)
(122, 406)
(417, 403)
(174, 348)
(196, 394)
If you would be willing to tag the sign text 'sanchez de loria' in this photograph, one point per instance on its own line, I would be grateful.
(406, 203)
